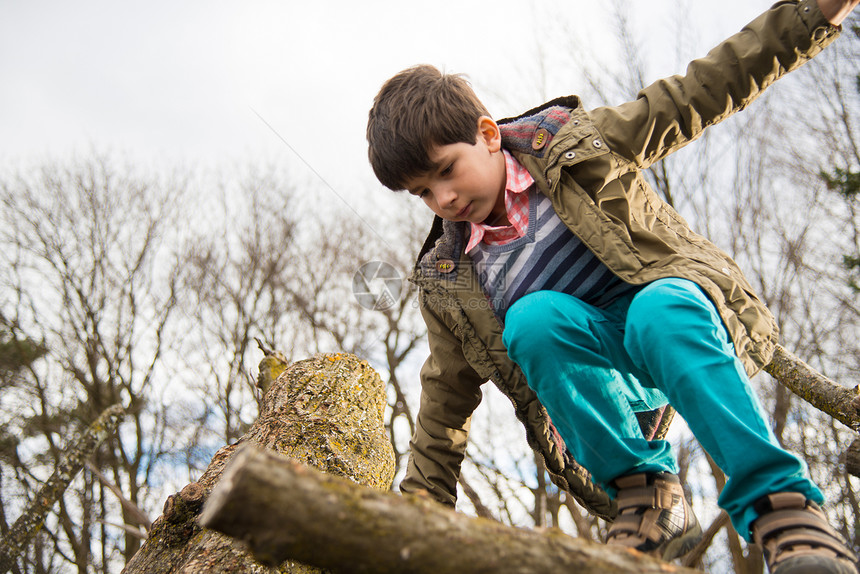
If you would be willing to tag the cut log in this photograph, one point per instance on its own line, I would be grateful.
(285, 510)
(326, 412)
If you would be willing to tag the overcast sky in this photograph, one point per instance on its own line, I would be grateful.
(185, 81)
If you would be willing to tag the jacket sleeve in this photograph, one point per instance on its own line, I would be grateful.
(450, 393)
(674, 111)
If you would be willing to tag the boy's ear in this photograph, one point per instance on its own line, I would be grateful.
(489, 132)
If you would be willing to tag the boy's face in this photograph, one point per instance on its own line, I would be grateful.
(468, 182)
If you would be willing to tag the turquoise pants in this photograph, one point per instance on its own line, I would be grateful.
(593, 368)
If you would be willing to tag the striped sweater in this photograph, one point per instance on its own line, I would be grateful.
(548, 257)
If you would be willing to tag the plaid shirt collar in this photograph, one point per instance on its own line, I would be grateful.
(518, 180)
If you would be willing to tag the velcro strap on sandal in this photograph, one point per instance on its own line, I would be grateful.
(649, 497)
(798, 540)
(635, 492)
(632, 481)
(638, 526)
(784, 500)
(779, 520)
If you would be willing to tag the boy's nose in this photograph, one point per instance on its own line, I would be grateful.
(446, 196)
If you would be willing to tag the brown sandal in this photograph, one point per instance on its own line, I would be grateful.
(796, 537)
(653, 516)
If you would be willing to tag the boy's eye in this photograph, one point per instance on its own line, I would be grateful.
(447, 170)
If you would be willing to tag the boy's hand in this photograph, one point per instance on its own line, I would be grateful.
(837, 10)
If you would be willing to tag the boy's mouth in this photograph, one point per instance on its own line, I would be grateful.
(465, 211)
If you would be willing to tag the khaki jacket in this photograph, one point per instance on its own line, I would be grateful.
(589, 164)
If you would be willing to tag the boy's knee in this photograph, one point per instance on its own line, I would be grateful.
(533, 321)
(670, 308)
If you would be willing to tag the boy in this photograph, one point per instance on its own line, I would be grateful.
(554, 270)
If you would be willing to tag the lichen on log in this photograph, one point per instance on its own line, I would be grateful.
(325, 412)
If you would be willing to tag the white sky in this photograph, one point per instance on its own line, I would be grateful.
(177, 83)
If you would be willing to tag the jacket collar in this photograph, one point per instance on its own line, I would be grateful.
(533, 131)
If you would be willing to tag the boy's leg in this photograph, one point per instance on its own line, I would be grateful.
(573, 357)
(674, 332)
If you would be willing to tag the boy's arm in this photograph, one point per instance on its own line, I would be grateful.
(673, 111)
(450, 392)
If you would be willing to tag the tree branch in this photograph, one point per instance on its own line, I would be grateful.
(841, 403)
(31, 520)
(707, 538)
(133, 510)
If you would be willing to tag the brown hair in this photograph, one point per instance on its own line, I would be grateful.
(415, 110)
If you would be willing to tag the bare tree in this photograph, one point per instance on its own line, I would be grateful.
(88, 276)
(236, 275)
(386, 331)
